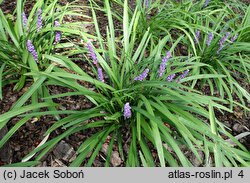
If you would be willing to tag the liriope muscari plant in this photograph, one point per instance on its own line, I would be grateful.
(27, 39)
(224, 54)
(139, 102)
(220, 43)
(176, 18)
(212, 29)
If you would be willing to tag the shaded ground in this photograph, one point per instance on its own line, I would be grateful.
(246, 1)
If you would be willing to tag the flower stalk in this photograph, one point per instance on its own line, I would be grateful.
(143, 75)
(58, 33)
(184, 74)
(39, 20)
(32, 50)
(127, 111)
(25, 20)
(163, 64)
(210, 38)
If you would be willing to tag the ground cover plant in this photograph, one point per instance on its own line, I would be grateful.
(215, 31)
(28, 39)
(28, 43)
(141, 89)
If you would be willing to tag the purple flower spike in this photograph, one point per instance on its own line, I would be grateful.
(92, 53)
(58, 33)
(234, 38)
(206, 3)
(56, 23)
(170, 77)
(197, 36)
(57, 37)
(210, 38)
(39, 20)
(127, 111)
(222, 41)
(32, 50)
(142, 76)
(163, 64)
(25, 20)
(100, 74)
(220, 48)
(147, 3)
(184, 74)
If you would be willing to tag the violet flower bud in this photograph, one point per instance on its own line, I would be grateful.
(234, 38)
(197, 37)
(210, 38)
(58, 33)
(206, 3)
(92, 53)
(56, 23)
(147, 4)
(127, 111)
(163, 63)
(32, 50)
(100, 74)
(25, 20)
(142, 76)
(39, 20)
(171, 77)
(220, 48)
(222, 41)
(184, 74)
(57, 37)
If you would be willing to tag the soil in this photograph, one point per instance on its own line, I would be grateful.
(31, 134)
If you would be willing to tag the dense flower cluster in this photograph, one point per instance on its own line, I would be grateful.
(222, 41)
(25, 20)
(32, 50)
(234, 38)
(171, 77)
(58, 33)
(163, 64)
(100, 74)
(95, 61)
(147, 3)
(206, 3)
(92, 53)
(143, 75)
(127, 111)
(197, 37)
(210, 38)
(184, 74)
(39, 20)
